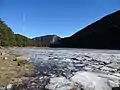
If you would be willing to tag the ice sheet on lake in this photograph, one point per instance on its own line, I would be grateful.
(89, 69)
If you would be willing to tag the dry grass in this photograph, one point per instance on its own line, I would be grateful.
(12, 71)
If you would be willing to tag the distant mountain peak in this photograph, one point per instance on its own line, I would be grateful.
(47, 39)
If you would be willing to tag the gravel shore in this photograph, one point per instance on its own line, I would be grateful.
(14, 69)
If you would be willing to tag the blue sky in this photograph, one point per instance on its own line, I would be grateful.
(61, 17)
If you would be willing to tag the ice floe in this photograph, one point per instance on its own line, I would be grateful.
(77, 68)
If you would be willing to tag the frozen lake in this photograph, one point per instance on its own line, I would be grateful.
(75, 69)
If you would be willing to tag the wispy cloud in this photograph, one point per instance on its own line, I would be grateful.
(23, 22)
(23, 17)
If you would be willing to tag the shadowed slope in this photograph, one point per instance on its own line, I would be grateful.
(104, 34)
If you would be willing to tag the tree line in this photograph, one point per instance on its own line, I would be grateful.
(8, 38)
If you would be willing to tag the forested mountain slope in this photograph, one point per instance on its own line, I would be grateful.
(102, 34)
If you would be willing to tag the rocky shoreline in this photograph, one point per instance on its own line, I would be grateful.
(14, 69)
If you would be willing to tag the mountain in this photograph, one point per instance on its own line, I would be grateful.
(46, 40)
(8, 38)
(102, 34)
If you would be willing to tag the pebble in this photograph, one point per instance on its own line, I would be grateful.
(5, 58)
(9, 87)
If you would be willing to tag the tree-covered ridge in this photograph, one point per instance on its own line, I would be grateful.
(102, 34)
(8, 38)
